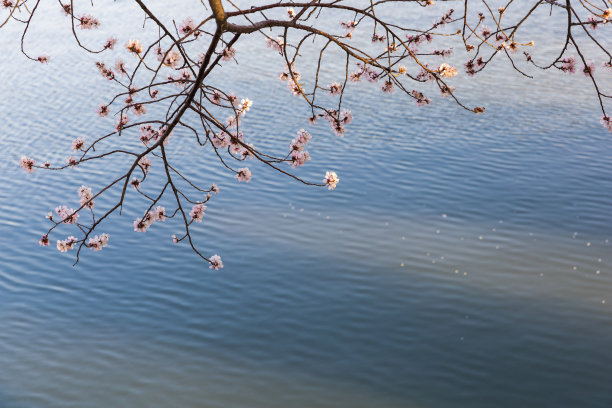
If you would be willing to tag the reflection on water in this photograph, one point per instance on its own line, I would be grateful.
(458, 265)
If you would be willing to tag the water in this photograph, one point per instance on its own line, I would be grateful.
(462, 261)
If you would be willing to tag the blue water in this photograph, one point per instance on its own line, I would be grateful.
(463, 261)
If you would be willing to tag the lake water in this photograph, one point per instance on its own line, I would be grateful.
(463, 261)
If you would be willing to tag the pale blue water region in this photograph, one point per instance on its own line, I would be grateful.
(462, 261)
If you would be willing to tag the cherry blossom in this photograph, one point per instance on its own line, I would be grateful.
(78, 144)
(67, 215)
(88, 22)
(98, 242)
(134, 46)
(86, 197)
(197, 212)
(145, 164)
(215, 262)
(335, 88)
(244, 175)
(331, 180)
(67, 244)
(446, 70)
(27, 163)
(228, 54)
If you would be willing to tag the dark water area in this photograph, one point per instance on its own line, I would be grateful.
(463, 261)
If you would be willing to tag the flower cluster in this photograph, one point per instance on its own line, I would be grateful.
(86, 197)
(228, 54)
(67, 244)
(335, 88)
(447, 71)
(299, 156)
(142, 224)
(172, 58)
(197, 212)
(276, 44)
(27, 163)
(78, 144)
(145, 164)
(181, 80)
(331, 180)
(105, 71)
(337, 120)
(186, 26)
(67, 215)
(88, 22)
(98, 242)
(215, 262)
(244, 175)
(148, 134)
(134, 46)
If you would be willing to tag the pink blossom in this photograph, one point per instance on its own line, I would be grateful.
(44, 241)
(588, 68)
(215, 262)
(294, 87)
(592, 22)
(105, 71)
(71, 161)
(181, 80)
(145, 164)
(485, 31)
(446, 90)
(290, 12)
(43, 59)
(110, 43)
(78, 144)
(159, 214)
(244, 175)
(102, 111)
(214, 188)
(98, 242)
(276, 45)
(197, 212)
(447, 71)
(173, 58)
(335, 88)
(607, 122)
(568, 65)
(331, 180)
(356, 76)
(140, 225)
(346, 117)
(220, 140)
(134, 46)
(138, 109)
(228, 54)
(27, 163)
(67, 215)
(299, 158)
(349, 26)
(388, 87)
(120, 67)
(86, 197)
(378, 38)
(186, 26)
(122, 121)
(88, 22)
(67, 244)
(135, 183)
